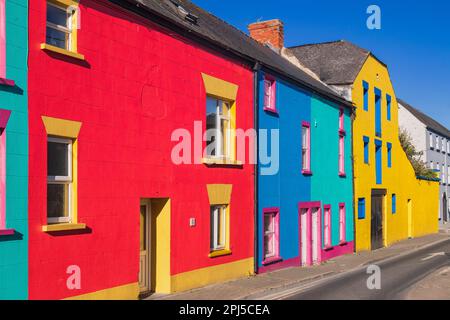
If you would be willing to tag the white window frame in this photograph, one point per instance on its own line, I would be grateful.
(219, 136)
(214, 212)
(437, 143)
(67, 180)
(66, 29)
(273, 233)
(431, 141)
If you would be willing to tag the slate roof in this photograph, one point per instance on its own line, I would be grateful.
(336, 62)
(219, 33)
(429, 122)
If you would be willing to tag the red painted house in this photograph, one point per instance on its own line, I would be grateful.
(111, 212)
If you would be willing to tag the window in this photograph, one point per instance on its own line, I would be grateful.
(437, 143)
(377, 112)
(448, 173)
(389, 154)
(341, 121)
(448, 146)
(4, 117)
(443, 174)
(431, 141)
(306, 148)
(388, 104)
(379, 163)
(218, 227)
(341, 155)
(218, 128)
(327, 226)
(61, 25)
(431, 165)
(366, 149)
(271, 234)
(59, 180)
(394, 203)
(361, 208)
(269, 94)
(342, 227)
(366, 95)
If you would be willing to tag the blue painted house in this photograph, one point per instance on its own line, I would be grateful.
(305, 207)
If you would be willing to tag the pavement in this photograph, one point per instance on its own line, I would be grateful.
(274, 284)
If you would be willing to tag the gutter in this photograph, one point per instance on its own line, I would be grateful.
(256, 69)
(138, 8)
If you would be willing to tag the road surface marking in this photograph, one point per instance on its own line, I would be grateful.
(433, 255)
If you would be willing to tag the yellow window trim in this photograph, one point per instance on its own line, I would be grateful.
(228, 162)
(73, 36)
(48, 47)
(67, 129)
(219, 194)
(219, 253)
(63, 227)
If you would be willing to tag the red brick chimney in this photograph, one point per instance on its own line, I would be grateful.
(268, 32)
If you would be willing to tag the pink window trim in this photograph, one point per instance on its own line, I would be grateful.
(277, 257)
(307, 170)
(327, 219)
(2, 40)
(4, 117)
(341, 155)
(342, 224)
(270, 105)
(341, 121)
(309, 206)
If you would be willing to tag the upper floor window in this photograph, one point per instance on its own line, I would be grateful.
(378, 112)
(270, 94)
(389, 154)
(4, 117)
(218, 128)
(365, 96)
(431, 141)
(437, 143)
(306, 148)
(341, 121)
(366, 141)
(62, 22)
(448, 146)
(388, 105)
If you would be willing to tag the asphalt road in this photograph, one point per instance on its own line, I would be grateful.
(397, 276)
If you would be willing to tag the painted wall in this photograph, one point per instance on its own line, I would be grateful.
(326, 184)
(288, 187)
(14, 248)
(400, 179)
(137, 85)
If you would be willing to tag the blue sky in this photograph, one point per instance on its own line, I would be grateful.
(414, 40)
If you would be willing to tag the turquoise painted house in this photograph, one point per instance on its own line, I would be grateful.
(13, 149)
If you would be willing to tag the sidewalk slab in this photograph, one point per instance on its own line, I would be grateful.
(259, 285)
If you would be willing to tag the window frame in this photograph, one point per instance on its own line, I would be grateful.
(306, 150)
(275, 213)
(388, 107)
(389, 154)
(223, 135)
(366, 141)
(270, 94)
(327, 234)
(341, 155)
(366, 88)
(4, 118)
(342, 223)
(361, 208)
(394, 203)
(64, 180)
(214, 232)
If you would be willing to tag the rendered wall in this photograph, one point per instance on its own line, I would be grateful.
(400, 179)
(14, 248)
(137, 85)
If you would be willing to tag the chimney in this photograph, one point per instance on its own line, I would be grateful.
(268, 32)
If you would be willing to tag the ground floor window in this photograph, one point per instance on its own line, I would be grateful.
(271, 233)
(327, 226)
(342, 226)
(218, 227)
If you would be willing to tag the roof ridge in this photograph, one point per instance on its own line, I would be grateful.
(317, 43)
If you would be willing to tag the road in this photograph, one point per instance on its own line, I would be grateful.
(397, 277)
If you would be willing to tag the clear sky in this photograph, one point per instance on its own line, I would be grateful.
(414, 40)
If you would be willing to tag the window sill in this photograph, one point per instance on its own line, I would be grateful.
(307, 172)
(7, 82)
(342, 174)
(271, 110)
(7, 232)
(219, 253)
(343, 243)
(63, 227)
(272, 260)
(328, 248)
(75, 55)
(342, 132)
(226, 162)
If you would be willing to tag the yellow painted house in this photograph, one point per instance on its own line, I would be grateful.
(391, 203)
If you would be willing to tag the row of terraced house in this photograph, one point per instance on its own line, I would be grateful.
(148, 146)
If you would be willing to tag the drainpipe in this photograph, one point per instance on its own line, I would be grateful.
(353, 116)
(256, 69)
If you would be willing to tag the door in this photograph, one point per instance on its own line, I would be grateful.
(315, 235)
(304, 252)
(410, 235)
(144, 260)
(377, 222)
